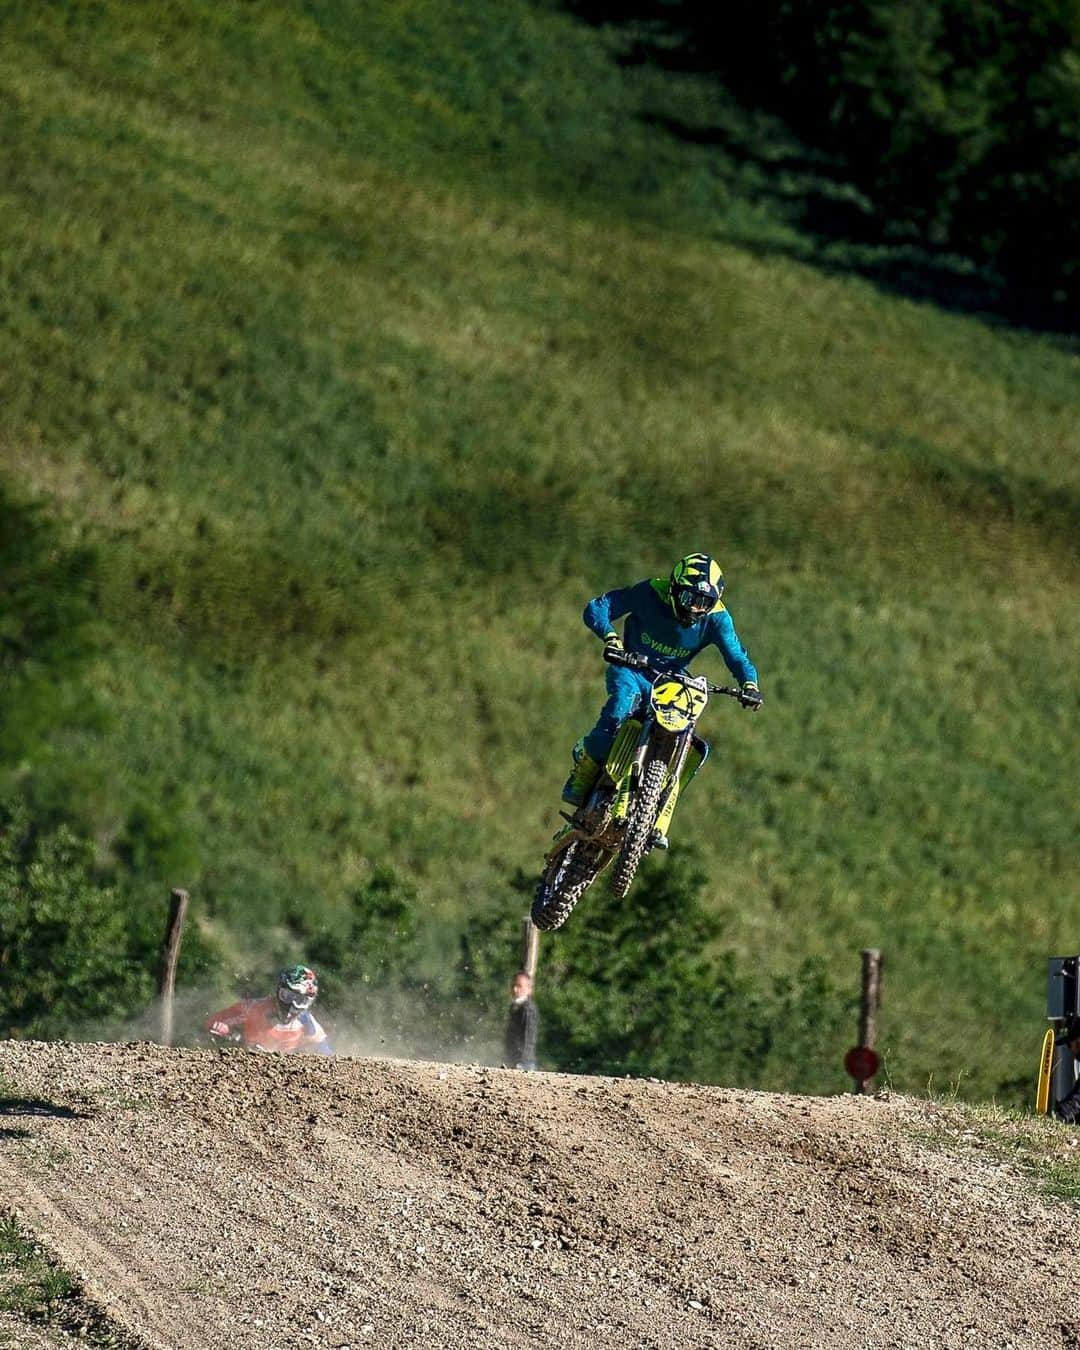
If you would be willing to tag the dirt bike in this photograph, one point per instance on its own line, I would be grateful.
(636, 790)
(227, 1041)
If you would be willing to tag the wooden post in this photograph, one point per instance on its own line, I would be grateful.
(170, 954)
(530, 947)
(870, 1002)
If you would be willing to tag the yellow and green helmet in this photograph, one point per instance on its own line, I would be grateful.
(697, 583)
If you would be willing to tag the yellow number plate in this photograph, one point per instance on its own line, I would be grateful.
(677, 704)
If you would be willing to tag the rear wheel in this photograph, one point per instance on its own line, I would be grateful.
(640, 827)
(567, 877)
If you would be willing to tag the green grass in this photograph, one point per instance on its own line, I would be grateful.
(1040, 1148)
(364, 343)
(35, 1290)
(33, 1286)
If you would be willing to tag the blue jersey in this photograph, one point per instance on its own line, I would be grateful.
(652, 628)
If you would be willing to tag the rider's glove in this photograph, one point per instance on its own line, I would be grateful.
(612, 643)
(219, 1028)
(750, 696)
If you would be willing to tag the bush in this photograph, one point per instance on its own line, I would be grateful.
(69, 952)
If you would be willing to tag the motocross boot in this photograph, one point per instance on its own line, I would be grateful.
(582, 776)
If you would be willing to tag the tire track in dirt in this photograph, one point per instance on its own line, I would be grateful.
(75, 1249)
(247, 1202)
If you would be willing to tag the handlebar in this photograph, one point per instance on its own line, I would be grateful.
(640, 662)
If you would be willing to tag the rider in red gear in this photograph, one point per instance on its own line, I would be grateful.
(281, 1021)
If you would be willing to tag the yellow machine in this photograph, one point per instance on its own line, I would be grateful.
(1046, 1069)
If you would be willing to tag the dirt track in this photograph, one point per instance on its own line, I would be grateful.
(258, 1202)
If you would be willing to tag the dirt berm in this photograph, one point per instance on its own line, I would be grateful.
(240, 1201)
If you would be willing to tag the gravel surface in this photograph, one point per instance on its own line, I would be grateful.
(251, 1202)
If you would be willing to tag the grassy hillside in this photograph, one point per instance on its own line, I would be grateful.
(361, 344)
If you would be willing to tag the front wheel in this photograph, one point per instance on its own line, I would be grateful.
(640, 827)
(566, 879)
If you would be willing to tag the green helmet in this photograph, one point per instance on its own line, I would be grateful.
(298, 987)
(696, 585)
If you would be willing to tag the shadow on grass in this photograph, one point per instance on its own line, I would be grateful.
(836, 227)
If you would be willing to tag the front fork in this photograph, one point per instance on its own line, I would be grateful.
(637, 741)
(691, 755)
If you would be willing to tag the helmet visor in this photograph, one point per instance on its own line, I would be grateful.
(693, 605)
(299, 999)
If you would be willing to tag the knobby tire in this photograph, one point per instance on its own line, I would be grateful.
(639, 828)
(565, 880)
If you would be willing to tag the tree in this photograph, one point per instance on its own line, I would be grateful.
(69, 954)
(958, 119)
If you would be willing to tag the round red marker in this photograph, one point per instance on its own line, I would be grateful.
(861, 1062)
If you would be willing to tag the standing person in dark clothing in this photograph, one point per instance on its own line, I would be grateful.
(1068, 1109)
(522, 1024)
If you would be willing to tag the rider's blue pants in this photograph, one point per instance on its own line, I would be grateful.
(628, 693)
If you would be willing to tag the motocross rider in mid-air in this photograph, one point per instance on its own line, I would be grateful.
(669, 620)
(280, 1022)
